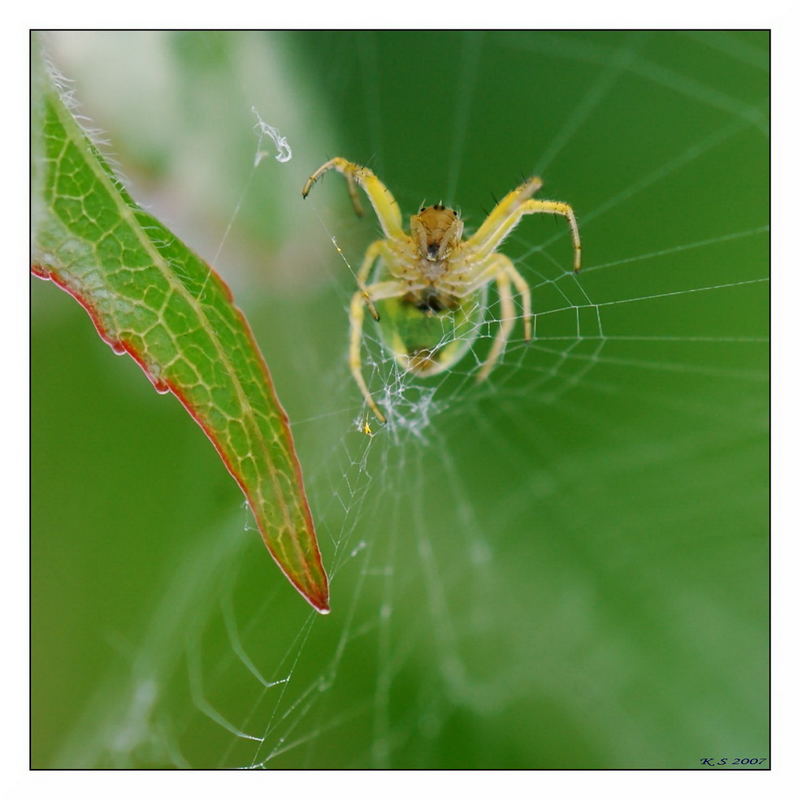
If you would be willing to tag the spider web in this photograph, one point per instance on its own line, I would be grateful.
(470, 599)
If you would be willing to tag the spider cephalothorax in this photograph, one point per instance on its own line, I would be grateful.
(437, 232)
(431, 286)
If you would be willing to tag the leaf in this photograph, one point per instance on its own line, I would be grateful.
(150, 296)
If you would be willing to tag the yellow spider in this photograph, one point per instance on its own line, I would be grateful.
(431, 286)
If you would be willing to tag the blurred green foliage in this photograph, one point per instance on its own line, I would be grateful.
(567, 568)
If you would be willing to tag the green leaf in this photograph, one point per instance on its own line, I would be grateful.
(150, 296)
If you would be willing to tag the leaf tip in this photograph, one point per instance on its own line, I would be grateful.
(320, 603)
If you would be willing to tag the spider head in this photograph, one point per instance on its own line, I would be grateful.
(437, 231)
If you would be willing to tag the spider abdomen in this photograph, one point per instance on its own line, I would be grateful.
(427, 331)
(431, 300)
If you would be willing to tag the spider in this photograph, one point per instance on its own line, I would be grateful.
(431, 285)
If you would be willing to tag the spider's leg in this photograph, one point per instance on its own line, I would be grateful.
(506, 324)
(480, 273)
(524, 291)
(502, 219)
(564, 210)
(510, 210)
(378, 291)
(386, 208)
(356, 327)
(370, 257)
(374, 251)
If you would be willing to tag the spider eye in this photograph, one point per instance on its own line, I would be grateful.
(421, 209)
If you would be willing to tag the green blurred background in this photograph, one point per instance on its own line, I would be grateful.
(566, 568)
